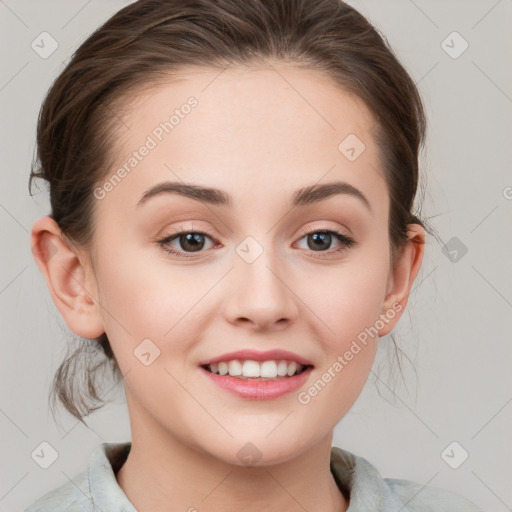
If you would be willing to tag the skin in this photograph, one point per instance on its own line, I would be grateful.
(254, 136)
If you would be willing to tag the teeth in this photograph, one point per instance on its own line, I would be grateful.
(235, 368)
(292, 368)
(251, 369)
(223, 368)
(269, 369)
(282, 368)
(255, 369)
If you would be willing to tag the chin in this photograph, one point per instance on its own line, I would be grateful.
(258, 450)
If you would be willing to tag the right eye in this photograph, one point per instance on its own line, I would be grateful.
(190, 241)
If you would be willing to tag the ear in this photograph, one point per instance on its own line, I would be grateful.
(402, 277)
(69, 277)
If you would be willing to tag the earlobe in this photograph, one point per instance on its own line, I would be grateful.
(402, 277)
(72, 287)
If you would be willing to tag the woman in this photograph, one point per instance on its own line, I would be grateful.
(232, 186)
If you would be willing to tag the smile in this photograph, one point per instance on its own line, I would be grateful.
(260, 370)
(258, 388)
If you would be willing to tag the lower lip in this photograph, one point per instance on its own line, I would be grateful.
(259, 389)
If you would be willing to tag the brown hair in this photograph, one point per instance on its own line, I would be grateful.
(147, 41)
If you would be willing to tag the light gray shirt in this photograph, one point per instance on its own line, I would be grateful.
(96, 489)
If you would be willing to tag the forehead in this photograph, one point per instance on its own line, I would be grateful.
(306, 101)
(256, 132)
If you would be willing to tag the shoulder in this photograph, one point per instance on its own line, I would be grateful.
(71, 496)
(421, 498)
(361, 480)
(93, 489)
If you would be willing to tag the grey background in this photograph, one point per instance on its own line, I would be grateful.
(456, 331)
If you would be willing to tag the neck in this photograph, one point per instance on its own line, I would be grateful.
(161, 470)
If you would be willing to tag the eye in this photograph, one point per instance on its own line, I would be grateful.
(190, 241)
(319, 240)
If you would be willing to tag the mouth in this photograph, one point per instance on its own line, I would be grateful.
(255, 375)
(257, 370)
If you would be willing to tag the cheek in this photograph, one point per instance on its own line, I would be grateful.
(347, 299)
(139, 302)
(145, 292)
(349, 335)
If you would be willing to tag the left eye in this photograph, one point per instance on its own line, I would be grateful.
(317, 240)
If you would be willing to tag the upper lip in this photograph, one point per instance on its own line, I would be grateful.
(254, 355)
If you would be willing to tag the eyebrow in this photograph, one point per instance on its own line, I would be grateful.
(216, 197)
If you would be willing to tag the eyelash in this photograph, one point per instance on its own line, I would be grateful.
(345, 240)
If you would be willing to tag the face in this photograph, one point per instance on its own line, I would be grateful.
(255, 266)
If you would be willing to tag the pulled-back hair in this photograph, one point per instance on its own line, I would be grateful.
(150, 41)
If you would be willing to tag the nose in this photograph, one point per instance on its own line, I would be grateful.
(261, 294)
